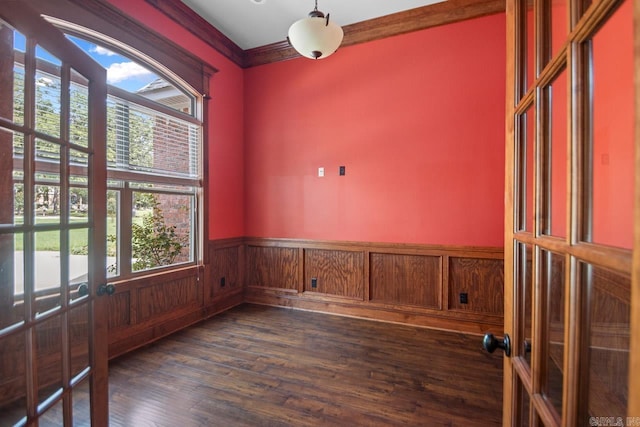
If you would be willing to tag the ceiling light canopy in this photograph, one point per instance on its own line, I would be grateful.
(315, 37)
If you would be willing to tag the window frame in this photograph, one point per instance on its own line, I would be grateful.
(124, 260)
(103, 24)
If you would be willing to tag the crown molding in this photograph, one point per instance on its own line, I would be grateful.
(421, 18)
(446, 12)
(198, 26)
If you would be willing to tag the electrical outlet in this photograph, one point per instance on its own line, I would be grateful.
(222, 282)
(464, 298)
(343, 170)
(321, 172)
(314, 282)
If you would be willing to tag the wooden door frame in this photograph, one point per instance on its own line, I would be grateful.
(54, 41)
(514, 80)
(512, 73)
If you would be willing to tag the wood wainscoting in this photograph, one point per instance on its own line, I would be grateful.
(405, 283)
(150, 307)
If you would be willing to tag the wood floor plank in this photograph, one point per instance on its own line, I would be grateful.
(266, 366)
(258, 365)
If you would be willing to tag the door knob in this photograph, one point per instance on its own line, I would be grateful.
(106, 289)
(83, 289)
(490, 343)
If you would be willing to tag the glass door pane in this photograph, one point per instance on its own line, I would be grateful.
(524, 285)
(558, 24)
(610, 168)
(552, 266)
(530, 43)
(47, 331)
(525, 169)
(523, 407)
(606, 314)
(554, 167)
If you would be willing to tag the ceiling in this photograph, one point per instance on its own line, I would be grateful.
(254, 23)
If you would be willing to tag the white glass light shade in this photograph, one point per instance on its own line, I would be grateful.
(313, 38)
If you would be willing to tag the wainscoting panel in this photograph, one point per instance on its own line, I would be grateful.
(339, 273)
(147, 308)
(609, 310)
(273, 267)
(482, 280)
(119, 310)
(405, 283)
(225, 270)
(141, 304)
(166, 296)
(406, 279)
(12, 372)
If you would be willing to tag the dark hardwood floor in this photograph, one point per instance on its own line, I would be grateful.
(265, 366)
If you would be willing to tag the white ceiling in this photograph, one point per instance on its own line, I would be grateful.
(254, 23)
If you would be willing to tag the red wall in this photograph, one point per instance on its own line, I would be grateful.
(613, 130)
(226, 158)
(418, 121)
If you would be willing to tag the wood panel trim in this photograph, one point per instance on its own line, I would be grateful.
(164, 299)
(199, 27)
(256, 293)
(273, 266)
(407, 280)
(290, 256)
(153, 279)
(143, 334)
(226, 243)
(125, 336)
(301, 270)
(444, 293)
(367, 275)
(226, 261)
(447, 12)
(492, 252)
(464, 275)
(339, 273)
(400, 274)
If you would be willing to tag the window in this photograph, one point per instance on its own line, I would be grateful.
(154, 164)
(154, 156)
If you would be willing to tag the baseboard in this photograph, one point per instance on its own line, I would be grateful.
(414, 316)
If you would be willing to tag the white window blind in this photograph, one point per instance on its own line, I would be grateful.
(145, 140)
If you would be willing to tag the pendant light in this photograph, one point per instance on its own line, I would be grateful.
(315, 37)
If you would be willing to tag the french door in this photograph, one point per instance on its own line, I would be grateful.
(571, 274)
(53, 329)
